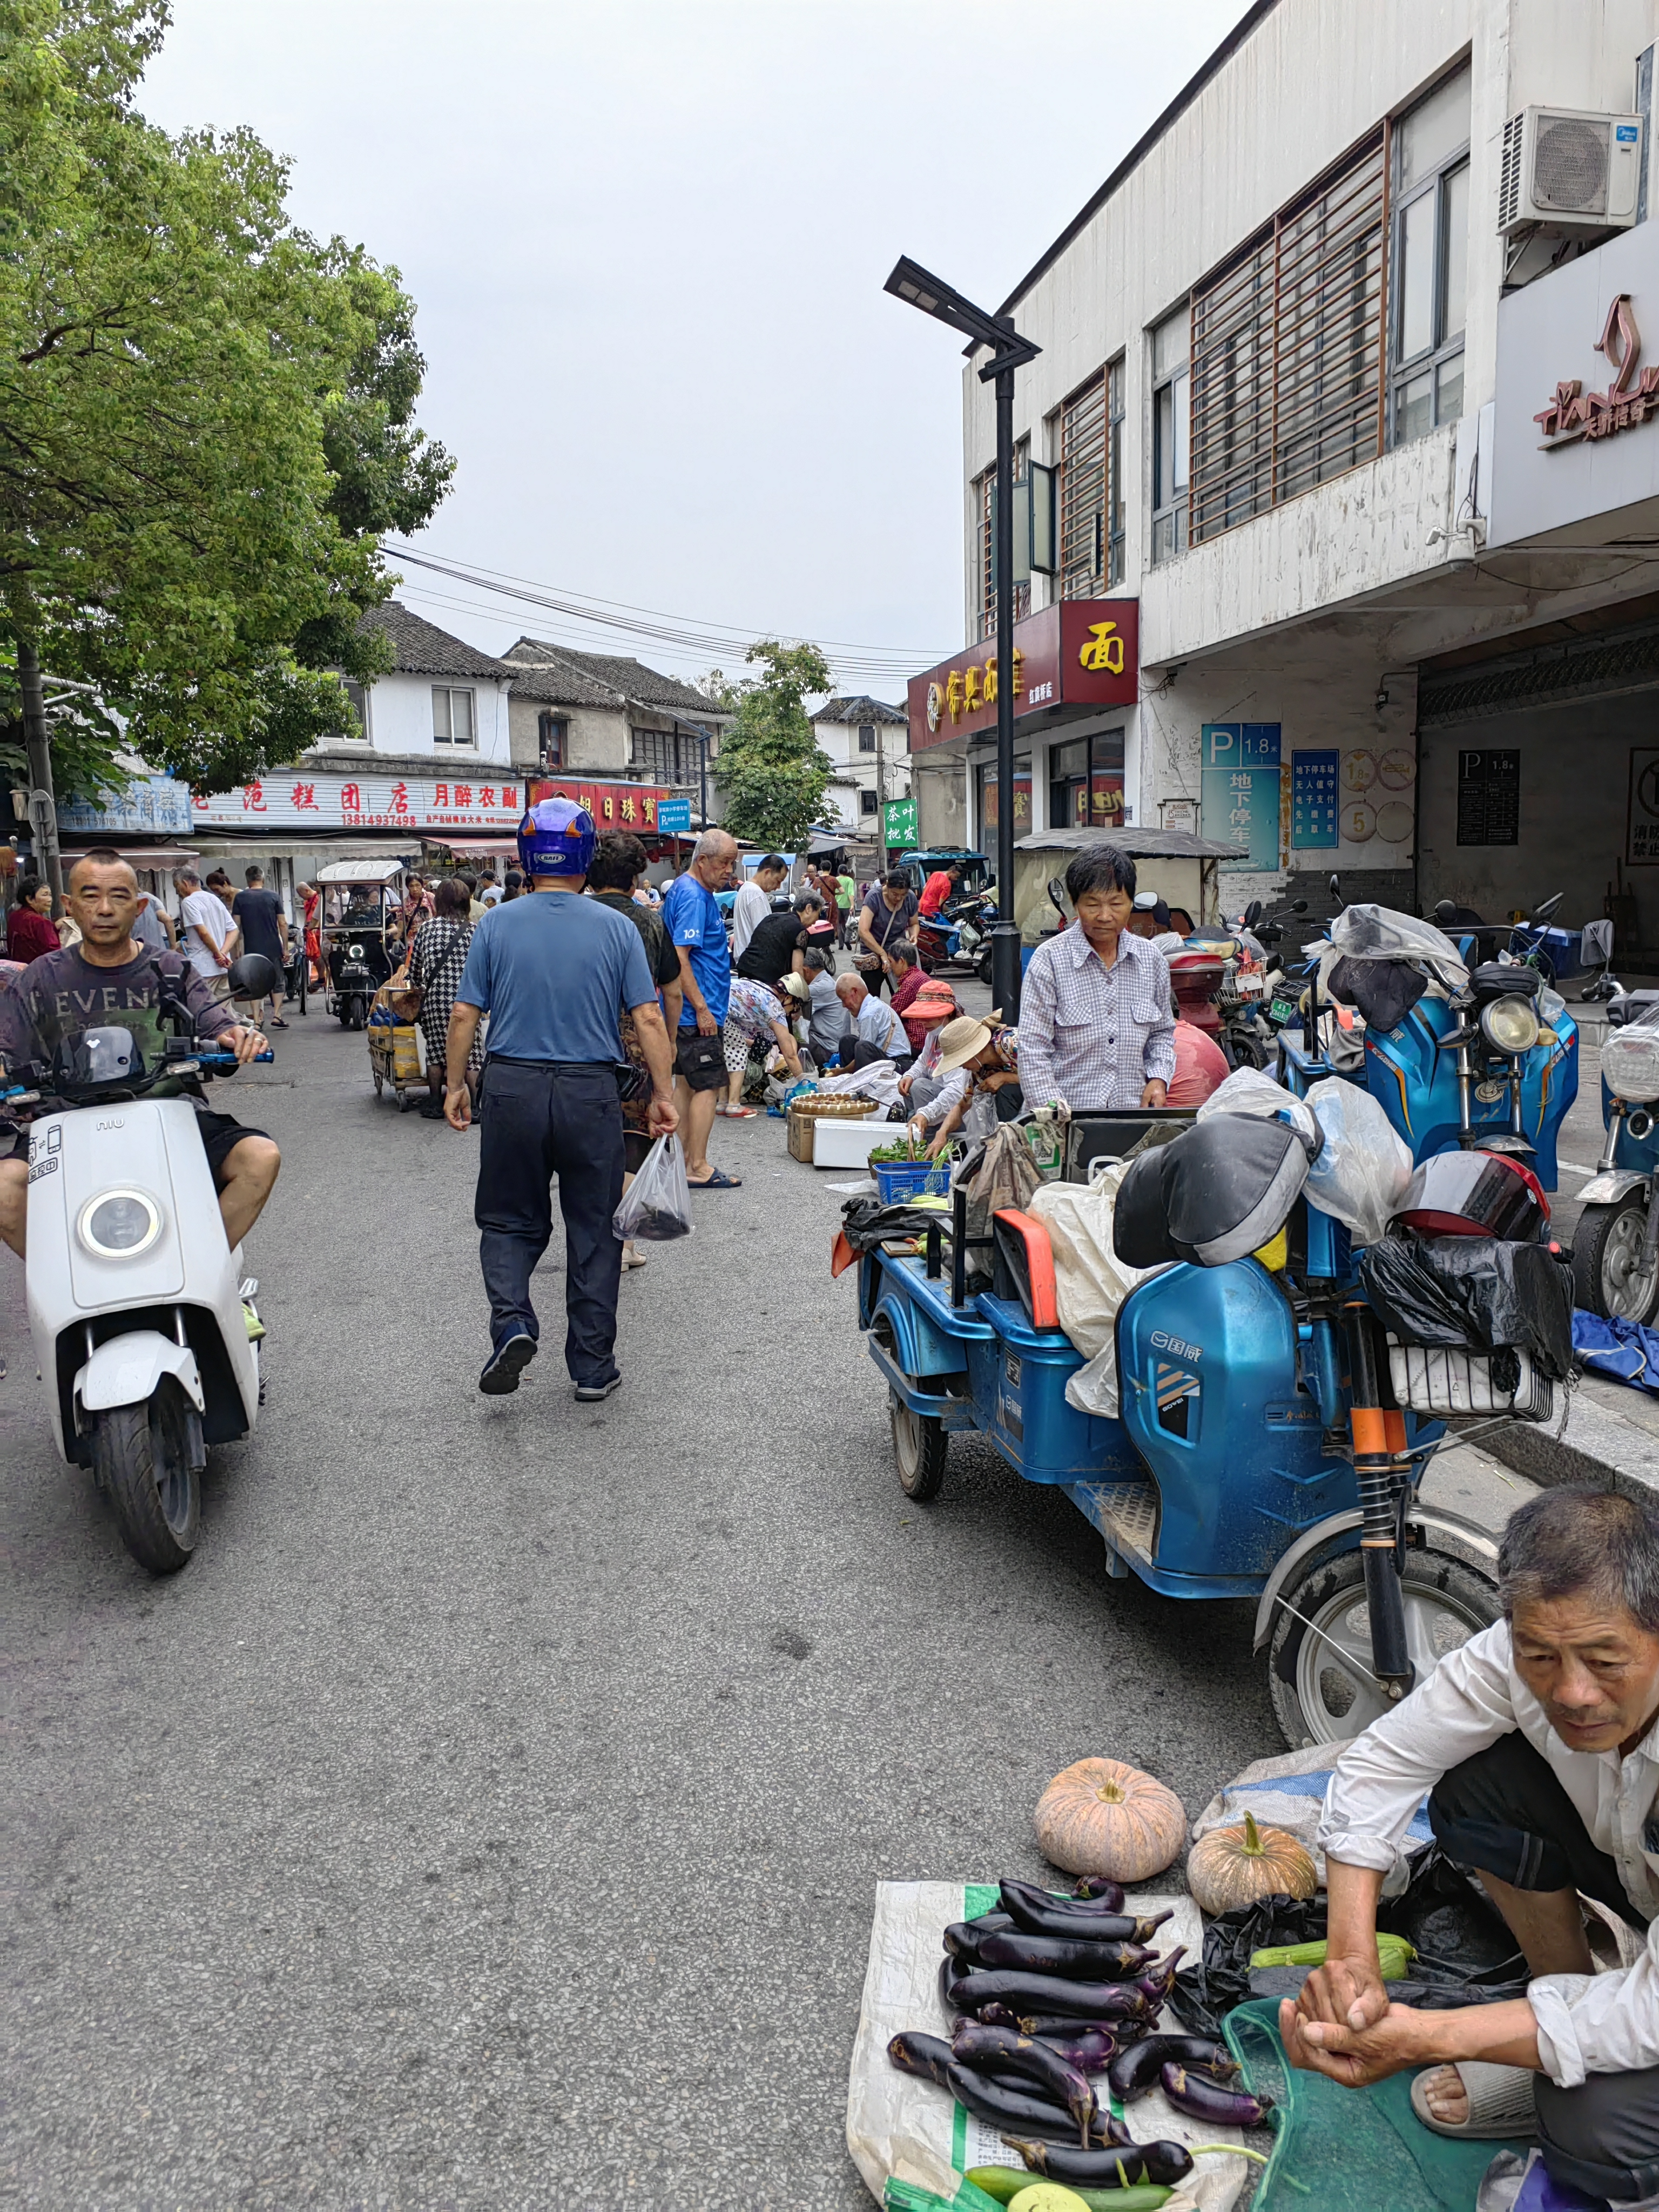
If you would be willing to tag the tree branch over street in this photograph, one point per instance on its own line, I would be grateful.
(770, 766)
(209, 413)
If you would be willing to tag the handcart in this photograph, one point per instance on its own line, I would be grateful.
(394, 1050)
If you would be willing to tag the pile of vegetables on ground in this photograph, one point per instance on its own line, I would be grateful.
(1045, 1990)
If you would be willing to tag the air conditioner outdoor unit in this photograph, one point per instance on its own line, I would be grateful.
(1569, 168)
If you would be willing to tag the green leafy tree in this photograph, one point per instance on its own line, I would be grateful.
(769, 765)
(205, 414)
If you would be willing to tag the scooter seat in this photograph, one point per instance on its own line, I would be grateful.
(1218, 1193)
(1632, 1006)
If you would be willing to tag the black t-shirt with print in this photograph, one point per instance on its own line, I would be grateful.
(61, 995)
(770, 954)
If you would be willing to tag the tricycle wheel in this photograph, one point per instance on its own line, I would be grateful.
(1322, 1696)
(1607, 1275)
(920, 1447)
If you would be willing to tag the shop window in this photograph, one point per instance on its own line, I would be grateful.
(1430, 280)
(985, 781)
(452, 716)
(358, 694)
(985, 487)
(866, 736)
(550, 740)
(1287, 352)
(1086, 783)
(1171, 436)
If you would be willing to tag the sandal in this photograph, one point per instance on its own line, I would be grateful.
(277, 1023)
(736, 1112)
(717, 1182)
(1500, 2103)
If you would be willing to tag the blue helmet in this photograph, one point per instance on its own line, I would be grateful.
(557, 837)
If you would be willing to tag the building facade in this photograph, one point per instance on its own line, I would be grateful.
(1298, 354)
(604, 717)
(866, 742)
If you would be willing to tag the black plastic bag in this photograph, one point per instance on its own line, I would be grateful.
(866, 1221)
(1466, 1953)
(1385, 991)
(1473, 1294)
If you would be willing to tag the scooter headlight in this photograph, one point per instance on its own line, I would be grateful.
(119, 1225)
(354, 952)
(1510, 1026)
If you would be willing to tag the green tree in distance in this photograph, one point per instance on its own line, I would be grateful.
(770, 766)
(206, 415)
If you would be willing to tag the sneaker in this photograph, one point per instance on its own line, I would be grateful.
(590, 1393)
(505, 1364)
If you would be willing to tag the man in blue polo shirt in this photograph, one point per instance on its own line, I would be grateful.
(696, 926)
(552, 969)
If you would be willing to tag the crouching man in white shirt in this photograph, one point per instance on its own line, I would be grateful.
(1537, 1743)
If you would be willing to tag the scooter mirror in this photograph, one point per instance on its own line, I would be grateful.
(1252, 913)
(1057, 896)
(1299, 906)
(1445, 913)
(254, 977)
(1543, 912)
(1336, 887)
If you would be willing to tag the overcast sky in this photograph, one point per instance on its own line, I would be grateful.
(647, 240)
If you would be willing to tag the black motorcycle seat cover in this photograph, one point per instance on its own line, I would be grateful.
(1217, 1192)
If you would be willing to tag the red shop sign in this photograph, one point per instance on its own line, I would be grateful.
(612, 805)
(1083, 652)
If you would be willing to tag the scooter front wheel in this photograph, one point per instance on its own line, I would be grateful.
(1319, 1657)
(141, 1456)
(1607, 1275)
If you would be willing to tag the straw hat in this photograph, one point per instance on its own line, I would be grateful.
(960, 1039)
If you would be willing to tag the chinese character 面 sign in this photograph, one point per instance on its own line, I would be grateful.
(1240, 765)
(480, 800)
(1315, 798)
(1078, 651)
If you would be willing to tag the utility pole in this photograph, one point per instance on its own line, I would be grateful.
(881, 802)
(43, 804)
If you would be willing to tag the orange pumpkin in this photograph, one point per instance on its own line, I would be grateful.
(1103, 1817)
(1236, 1866)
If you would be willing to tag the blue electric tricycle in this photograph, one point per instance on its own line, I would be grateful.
(1260, 1450)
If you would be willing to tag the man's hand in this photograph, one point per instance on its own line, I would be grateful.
(458, 1106)
(1347, 1993)
(1155, 1094)
(1355, 2057)
(223, 958)
(904, 1083)
(662, 1116)
(244, 1041)
(706, 1025)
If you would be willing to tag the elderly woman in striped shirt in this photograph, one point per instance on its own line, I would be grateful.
(1095, 1025)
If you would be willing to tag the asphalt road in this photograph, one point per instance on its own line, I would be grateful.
(489, 1815)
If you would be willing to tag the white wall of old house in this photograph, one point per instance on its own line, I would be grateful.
(400, 718)
(596, 738)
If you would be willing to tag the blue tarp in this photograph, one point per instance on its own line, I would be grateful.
(1623, 1349)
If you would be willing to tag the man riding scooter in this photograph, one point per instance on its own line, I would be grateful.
(110, 980)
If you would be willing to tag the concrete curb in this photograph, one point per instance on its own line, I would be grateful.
(1602, 1443)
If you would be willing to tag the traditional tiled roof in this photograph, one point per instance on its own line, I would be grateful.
(860, 708)
(624, 680)
(423, 649)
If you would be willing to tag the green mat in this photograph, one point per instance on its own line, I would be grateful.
(1349, 2150)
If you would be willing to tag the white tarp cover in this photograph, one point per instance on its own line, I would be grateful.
(1090, 1281)
(901, 2129)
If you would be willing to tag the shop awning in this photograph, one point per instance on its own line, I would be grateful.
(1137, 844)
(490, 849)
(136, 856)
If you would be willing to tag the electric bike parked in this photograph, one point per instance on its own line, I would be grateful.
(136, 1302)
(1615, 1248)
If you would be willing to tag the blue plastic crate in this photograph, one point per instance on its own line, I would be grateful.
(896, 1180)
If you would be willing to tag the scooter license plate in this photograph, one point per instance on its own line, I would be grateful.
(1282, 1009)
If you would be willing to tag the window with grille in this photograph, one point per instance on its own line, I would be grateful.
(452, 717)
(1428, 277)
(1287, 352)
(987, 485)
(1083, 488)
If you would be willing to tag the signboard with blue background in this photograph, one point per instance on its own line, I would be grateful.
(1240, 764)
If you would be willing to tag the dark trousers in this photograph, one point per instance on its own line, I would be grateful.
(542, 1122)
(1504, 1813)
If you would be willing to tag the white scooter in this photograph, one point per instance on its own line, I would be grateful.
(135, 1298)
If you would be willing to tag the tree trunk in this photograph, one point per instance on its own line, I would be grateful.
(43, 803)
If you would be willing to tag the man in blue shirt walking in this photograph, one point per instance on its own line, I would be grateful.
(552, 969)
(692, 917)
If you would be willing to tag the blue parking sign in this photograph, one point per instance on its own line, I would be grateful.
(1240, 774)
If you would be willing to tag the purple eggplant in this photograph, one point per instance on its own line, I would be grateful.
(1063, 1954)
(961, 1941)
(1005, 2107)
(1118, 2167)
(1002, 2051)
(1042, 1994)
(1099, 1889)
(1090, 2049)
(923, 2055)
(1158, 1981)
(1201, 2099)
(1039, 1916)
(996, 2016)
(1134, 2071)
(986, 1924)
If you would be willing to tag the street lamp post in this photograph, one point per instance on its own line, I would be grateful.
(912, 282)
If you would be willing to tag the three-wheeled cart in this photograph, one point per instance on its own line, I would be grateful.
(355, 943)
(394, 1051)
(1246, 1393)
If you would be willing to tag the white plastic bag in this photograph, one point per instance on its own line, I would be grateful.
(657, 1203)
(1363, 1165)
(1369, 932)
(1248, 1090)
(880, 1081)
(1090, 1281)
